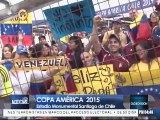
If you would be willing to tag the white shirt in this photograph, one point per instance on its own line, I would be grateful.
(21, 80)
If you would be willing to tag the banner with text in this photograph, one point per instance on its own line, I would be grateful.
(71, 18)
(78, 102)
(28, 64)
(89, 80)
(124, 8)
(144, 78)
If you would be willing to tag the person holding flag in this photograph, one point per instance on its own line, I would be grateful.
(139, 28)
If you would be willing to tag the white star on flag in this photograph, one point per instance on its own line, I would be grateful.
(15, 25)
(138, 93)
(4, 32)
(146, 89)
(141, 91)
(8, 26)
(151, 89)
(156, 90)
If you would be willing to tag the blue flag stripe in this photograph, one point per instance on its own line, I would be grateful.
(13, 29)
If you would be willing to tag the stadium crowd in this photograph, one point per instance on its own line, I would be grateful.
(136, 49)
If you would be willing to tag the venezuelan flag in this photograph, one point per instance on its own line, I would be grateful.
(65, 40)
(40, 88)
(140, 28)
(10, 29)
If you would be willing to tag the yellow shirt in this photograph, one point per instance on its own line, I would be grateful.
(155, 64)
(5, 82)
(121, 35)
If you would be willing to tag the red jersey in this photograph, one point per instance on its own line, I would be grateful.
(120, 64)
(157, 51)
(130, 54)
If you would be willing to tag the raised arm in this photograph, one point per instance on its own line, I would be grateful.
(38, 75)
(124, 40)
(20, 38)
(105, 38)
(88, 46)
(94, 36)
(20, 42)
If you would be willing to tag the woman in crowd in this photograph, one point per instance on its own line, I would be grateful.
(40, 50)
(7, 52)
(55, 50)
(154, 22)
(46, 50)
(113, 56)
(154, 19)
(74, 51)
(146, 58)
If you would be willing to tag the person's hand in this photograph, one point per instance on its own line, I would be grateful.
(67, 60)
(3, 61)
(97, 20)
(52, 89)
(20, 36)
(115, 85)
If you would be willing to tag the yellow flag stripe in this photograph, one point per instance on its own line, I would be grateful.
(17, 20)
(136, 22)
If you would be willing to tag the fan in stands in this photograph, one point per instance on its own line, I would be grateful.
(157, 5)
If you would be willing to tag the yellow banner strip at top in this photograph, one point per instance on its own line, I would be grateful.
(23, 19)
(45, 63)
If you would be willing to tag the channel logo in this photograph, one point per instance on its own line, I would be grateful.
(19, 102)
(139, 102)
